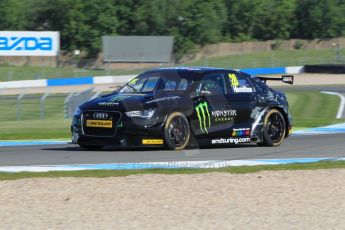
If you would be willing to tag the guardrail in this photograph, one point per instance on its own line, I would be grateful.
(31, 106)
(73, 100)
(43, 106)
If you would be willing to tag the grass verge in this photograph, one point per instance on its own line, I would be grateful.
(313, 109)
(118, 173)
(35, 129)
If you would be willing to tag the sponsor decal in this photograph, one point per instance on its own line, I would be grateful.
(26, 43)
(119, 98)
(235, 85)
(243, 90)
(152, 141)
(223, 115)
(99, 123)
(204, 118)
(242, 132)
(162, 99)
(108, 103)
(290, 131)
(29, 43)
(230, 140)
(100, 115)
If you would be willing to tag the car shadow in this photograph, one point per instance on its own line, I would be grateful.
(145, 149)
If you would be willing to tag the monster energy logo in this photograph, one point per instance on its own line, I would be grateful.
(203, 116)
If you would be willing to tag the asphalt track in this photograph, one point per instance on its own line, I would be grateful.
(298, 146)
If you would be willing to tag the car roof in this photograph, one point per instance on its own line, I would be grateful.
(192, 69)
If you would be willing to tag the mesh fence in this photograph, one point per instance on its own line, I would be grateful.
(42, 106)
(31, 107)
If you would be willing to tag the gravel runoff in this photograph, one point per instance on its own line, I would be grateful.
(264, 200)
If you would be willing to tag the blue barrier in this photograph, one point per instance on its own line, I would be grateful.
(70, 81)
(268, 70)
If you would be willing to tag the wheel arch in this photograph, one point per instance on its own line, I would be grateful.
(168, 119)
(285, 115)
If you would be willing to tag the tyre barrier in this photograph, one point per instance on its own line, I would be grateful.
(325, 68)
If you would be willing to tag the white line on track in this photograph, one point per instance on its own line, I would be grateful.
(342, 103)
(162, 165)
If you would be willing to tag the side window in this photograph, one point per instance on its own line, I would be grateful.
(259, 85)
(150, 84)
(239, 84)
(212, 84)
(170, 85)
(183, 84)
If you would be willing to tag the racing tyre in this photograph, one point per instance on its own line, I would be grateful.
(176, 131)
(91, 147)
(274, 129)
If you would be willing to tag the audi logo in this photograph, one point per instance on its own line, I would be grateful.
(99, 115)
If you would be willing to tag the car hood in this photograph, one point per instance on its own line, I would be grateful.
(131, 102)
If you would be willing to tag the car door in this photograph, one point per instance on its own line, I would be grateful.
(212, 115)
(242, 99)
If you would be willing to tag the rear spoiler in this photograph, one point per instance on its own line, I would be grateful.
(288, 79)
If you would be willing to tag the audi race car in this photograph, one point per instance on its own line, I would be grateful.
(185, 107)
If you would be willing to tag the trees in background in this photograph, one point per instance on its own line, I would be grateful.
(13, 15)
(192, 22)
(320, 19)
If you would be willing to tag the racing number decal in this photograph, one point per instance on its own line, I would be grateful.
(234, 81)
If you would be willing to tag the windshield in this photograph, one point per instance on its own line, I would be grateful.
(140, 84)
(158, 81)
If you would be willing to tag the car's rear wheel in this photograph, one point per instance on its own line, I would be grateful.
(274, 128)
(91, 147)
(176, 131)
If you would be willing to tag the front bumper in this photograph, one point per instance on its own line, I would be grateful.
(127, 133)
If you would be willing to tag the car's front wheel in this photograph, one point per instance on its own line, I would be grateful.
(274, 128)
(176, 131)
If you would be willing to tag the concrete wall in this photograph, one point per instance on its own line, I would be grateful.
(29, 61)
(224, 49)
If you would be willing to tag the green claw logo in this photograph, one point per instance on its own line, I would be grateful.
(119, 98)
(203, 116)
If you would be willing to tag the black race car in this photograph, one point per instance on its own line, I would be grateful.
(182, 107)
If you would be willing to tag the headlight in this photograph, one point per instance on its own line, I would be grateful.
(78, 112)
(143, 113)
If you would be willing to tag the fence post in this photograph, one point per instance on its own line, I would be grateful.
(19, 98)
(10, 74)
(96, 95)
(73, 100)
(66, 105)
(42, 105)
